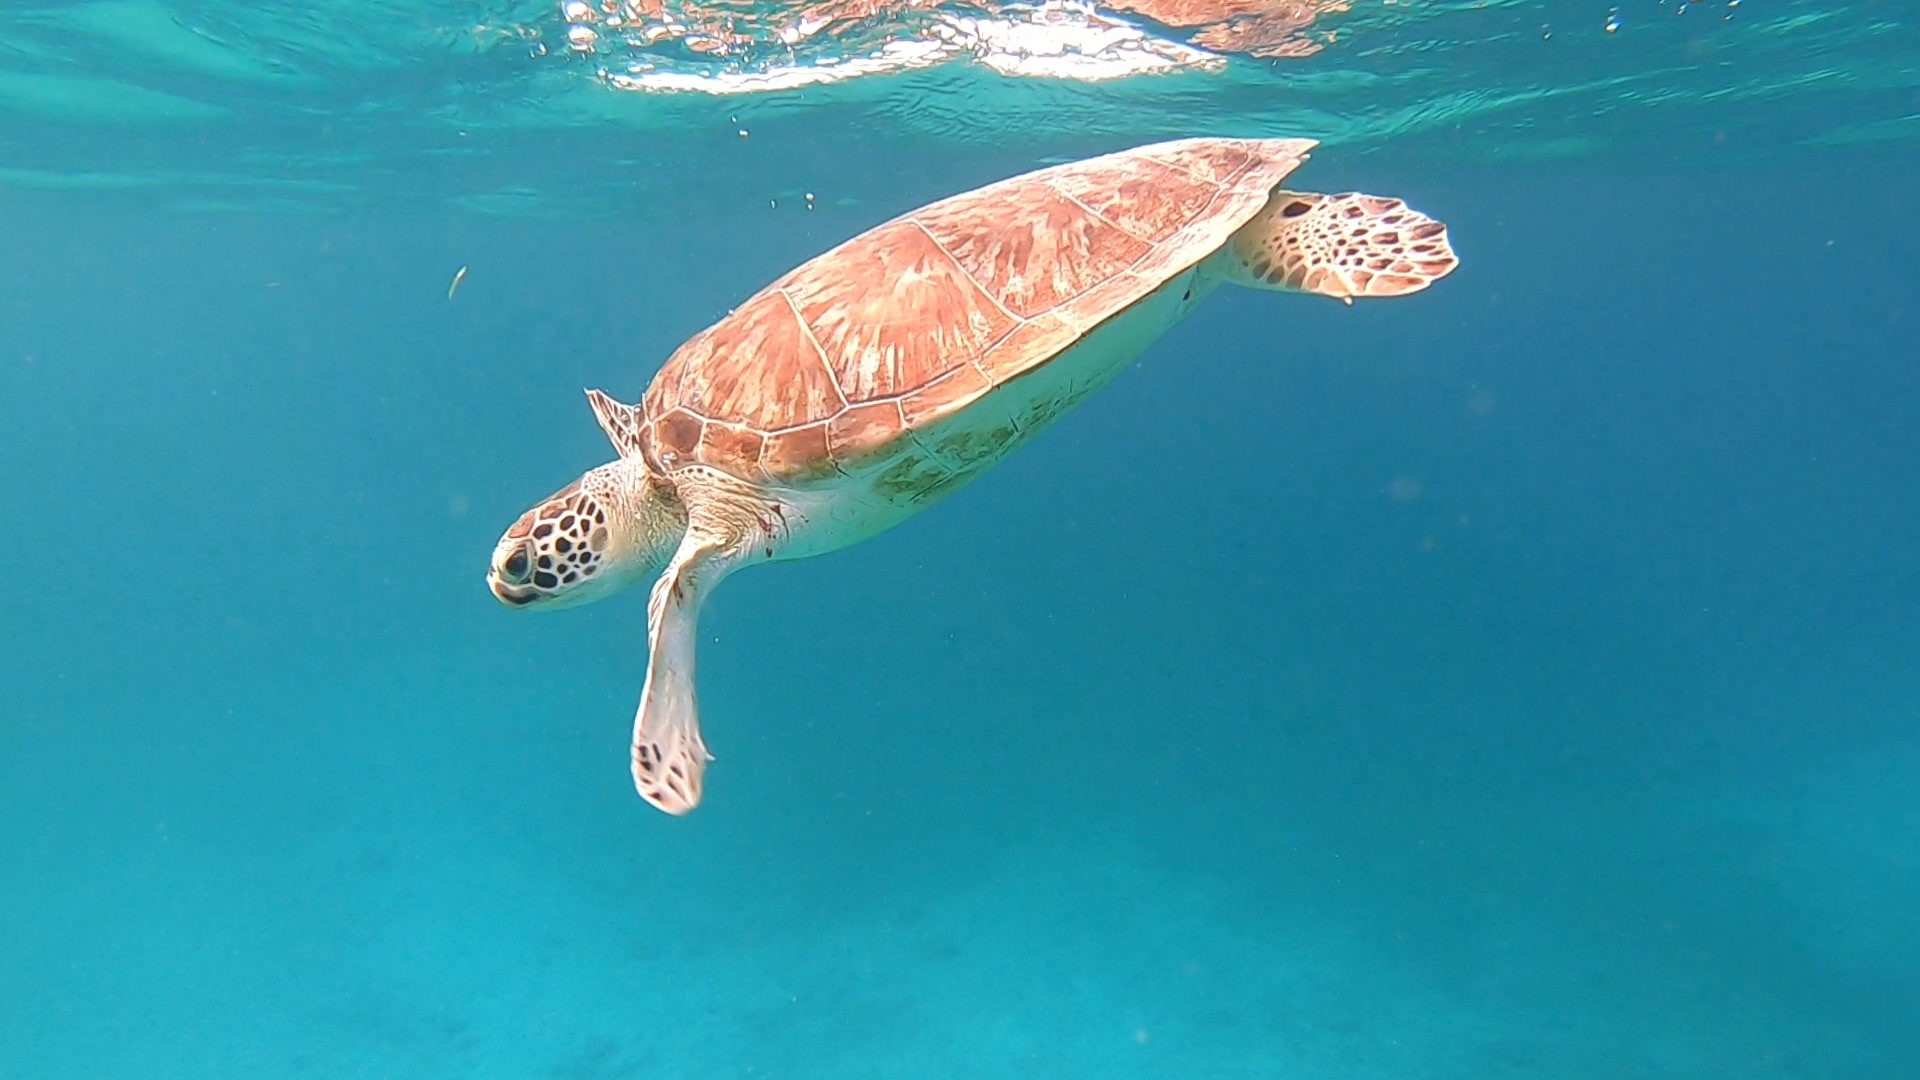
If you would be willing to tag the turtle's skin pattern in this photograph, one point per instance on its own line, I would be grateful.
(869, 382)
(571, 525)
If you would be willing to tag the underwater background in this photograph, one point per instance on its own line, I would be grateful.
(1521, 679)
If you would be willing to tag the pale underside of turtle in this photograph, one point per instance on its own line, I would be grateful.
(871, 381)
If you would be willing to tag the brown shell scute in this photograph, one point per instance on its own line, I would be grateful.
(892, 311)
(758, 368)
(1222, 161)
(1149, 200)
(797, 454)
(1053, 250)
(832, 367)
(861, 429)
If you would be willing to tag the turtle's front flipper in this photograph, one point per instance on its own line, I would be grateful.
(1340, 246)
(669, 756)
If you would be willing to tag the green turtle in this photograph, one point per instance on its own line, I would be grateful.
(865, 385)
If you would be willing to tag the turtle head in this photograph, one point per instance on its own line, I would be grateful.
(611, 528)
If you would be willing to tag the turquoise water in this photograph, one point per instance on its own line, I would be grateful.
(1515, 680)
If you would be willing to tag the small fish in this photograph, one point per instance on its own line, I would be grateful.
(459, 276)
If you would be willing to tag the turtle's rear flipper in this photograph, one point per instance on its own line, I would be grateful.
(1341, 246)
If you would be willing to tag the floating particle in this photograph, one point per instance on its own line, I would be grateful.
(743, 133)
(809, 200)
(459, 276)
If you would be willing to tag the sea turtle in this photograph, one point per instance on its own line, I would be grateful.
(873, 380)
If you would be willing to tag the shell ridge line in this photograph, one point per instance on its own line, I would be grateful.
(964, 272)
(819, 350)
(1102, 218)
(1205, 213)
(992, 383)
(1180, 162)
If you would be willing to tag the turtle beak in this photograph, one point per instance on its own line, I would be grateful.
(510, 595)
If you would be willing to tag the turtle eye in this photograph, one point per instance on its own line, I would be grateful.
(517, 565)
